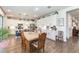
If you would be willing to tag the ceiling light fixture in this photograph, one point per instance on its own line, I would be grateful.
(24, 14)
(8, 10)
(36, 9)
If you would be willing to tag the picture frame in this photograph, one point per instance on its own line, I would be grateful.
(60, 22)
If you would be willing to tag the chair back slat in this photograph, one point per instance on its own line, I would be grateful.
(22, 37)
(41, 41)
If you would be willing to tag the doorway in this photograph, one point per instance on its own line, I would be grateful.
(73, 23)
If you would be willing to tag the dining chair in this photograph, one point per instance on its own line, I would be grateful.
(59, 36)
(40, 44)
(23, 41)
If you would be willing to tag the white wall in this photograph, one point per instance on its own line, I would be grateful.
(48, 21)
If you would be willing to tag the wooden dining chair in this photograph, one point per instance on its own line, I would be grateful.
(40, 44)
(23, 41)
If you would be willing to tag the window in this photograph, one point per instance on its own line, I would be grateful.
(1, 26)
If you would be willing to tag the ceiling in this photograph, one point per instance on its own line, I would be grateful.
(30, 12)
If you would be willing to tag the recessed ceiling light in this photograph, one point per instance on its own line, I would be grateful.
(8, 10)
(36, 9)
(24, 14)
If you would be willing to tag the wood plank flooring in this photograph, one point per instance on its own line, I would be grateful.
(13, 45)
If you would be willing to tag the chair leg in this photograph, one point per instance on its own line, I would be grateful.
(37, 50)
(43, 50)
(23, 48)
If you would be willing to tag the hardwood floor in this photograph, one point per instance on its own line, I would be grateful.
(13, 45)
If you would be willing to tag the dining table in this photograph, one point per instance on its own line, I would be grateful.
(29, 38)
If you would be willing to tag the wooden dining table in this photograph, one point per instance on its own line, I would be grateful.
(29, 38)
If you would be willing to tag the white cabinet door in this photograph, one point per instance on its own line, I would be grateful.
(51, 34)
